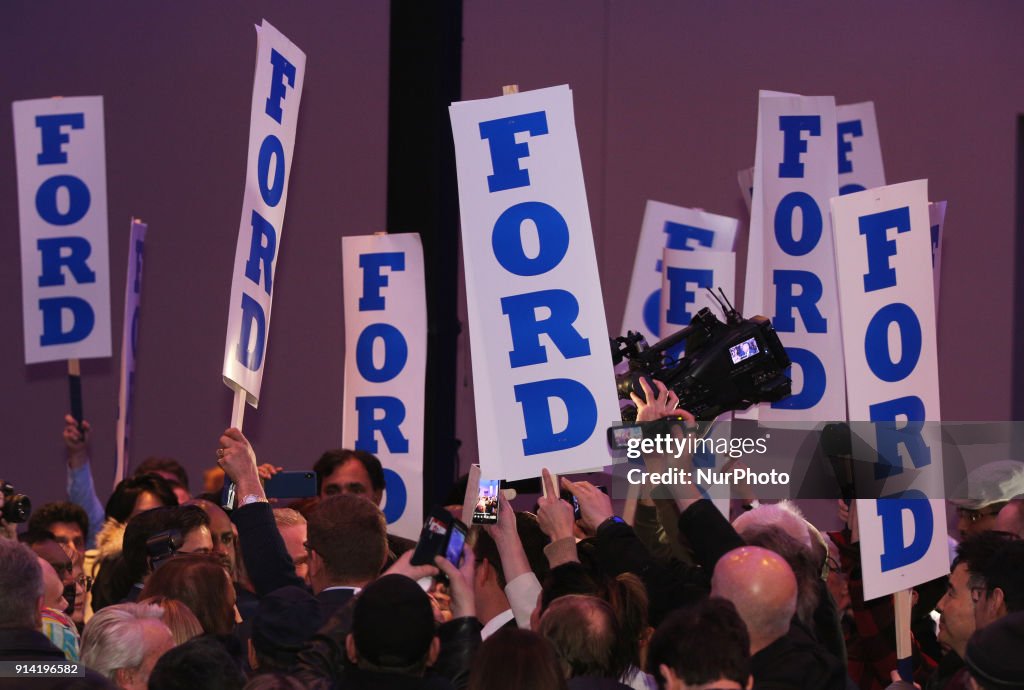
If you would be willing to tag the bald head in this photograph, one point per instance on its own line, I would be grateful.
(762, 587)
(1011, 518)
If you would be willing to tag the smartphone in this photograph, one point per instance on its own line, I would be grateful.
(298, 484)
(485, 507)
(433, 537)
(568, 497)
(482, 493)
(456, 540)
(571, 500)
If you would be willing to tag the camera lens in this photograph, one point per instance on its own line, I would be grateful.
(17, 507)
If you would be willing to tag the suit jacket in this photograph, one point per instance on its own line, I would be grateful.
(333, 600)
(266, 558)
(263, 550)
(796, 661)
(18, 644)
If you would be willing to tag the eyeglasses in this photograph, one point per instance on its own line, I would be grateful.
(85, 582)
(972, 516)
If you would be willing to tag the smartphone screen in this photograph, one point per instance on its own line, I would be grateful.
(485, 511)
(455, 543)
(619, 436)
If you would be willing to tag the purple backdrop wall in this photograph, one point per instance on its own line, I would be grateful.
(666, 98)
(666, 104)
(177, 83)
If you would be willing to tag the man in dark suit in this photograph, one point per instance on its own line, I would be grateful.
(357, 472)
(347, 546)
(21, 597)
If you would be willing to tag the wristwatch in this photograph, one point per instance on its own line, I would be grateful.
(611, 521)
(250, 498)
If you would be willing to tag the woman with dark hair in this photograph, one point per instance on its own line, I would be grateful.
(136, 494)
(201, 583)
(512, 659)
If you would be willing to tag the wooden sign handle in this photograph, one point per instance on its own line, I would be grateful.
(75, 393)
(903, 603)
(228, 494)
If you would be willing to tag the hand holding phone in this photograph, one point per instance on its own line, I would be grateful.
(437, 535)
(420, 573)
(460, 585)
(592, 503)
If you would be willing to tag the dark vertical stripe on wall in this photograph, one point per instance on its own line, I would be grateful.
(1018, 292)
(425, 77)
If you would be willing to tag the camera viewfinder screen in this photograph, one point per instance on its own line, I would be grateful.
(623, 434)
(485, 512)
(741, 351)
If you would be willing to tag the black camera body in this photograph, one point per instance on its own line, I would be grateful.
(727, 366)
(162, 546)
(17, 507)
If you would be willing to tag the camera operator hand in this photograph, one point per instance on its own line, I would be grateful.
(554, 515)
(654, 406)
(238, 460)
(460, 580)
(75, 442)
(595, 505)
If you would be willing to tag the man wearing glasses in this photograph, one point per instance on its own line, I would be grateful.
(46, 547)
(985, 492)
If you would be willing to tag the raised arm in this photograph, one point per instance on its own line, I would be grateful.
(263, 550)
(80, 486)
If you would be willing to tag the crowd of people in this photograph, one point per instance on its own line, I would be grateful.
(160, 588)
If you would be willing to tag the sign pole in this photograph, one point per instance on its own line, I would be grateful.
(903, 603)
(238, 409)
(75, 390)
(227, 497)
